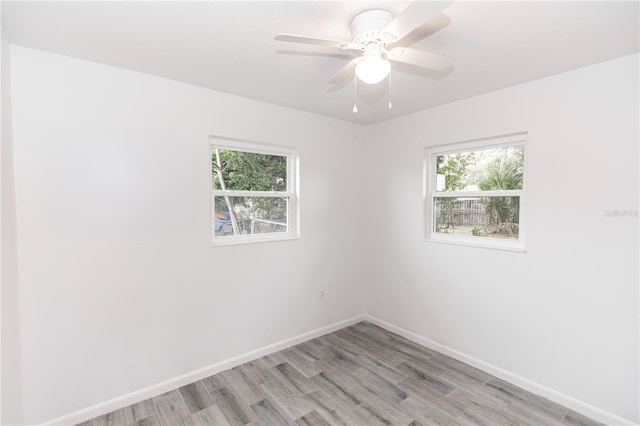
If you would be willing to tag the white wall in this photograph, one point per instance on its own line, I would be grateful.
(120, 288)
(10, 362)
(565, 313)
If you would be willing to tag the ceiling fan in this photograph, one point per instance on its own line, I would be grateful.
(375, 32)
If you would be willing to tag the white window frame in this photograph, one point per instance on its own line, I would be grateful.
(291, 191)
(430, 193)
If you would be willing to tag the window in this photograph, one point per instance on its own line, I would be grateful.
(474, 192)
(253, 192)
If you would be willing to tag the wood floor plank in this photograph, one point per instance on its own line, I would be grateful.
(358, 341)
(355, 417)
(196, 397)
(338, 373)
(426, 414)
(575, 419)
(432, 398)
(466, 399)
(328, 408)
(147, 421)
(140, 410)
(402, 356)
(314, 352)
(369, 333)
(294, 403)
(301, 352)
(368, 340)
(343, 397)
(530, 415)
(172, 410)
(366, 346)
(400, 343)
(426, 378)
(486, 416)
(330, 350)
(463, 373)
(210, 416)
(114, 418)
(383, 404)
(511, 393)
(487, 408)
(289, 374)
(342, 345)
(472, 418)
(312, 419)
(319, 343)
(380, 367)
(244, 386)
(410, 355)
(348, 362)
(373, 380)
(273, 359)
(267, 414)
(258, 370)
(301, 362)
(380, 332)
(215, 382)
(234, 410)
(373, 415)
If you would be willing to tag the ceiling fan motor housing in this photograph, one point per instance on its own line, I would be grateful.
(367, 27)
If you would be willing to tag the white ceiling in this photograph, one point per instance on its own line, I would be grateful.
(229, 46)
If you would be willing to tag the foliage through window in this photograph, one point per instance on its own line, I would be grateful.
(474, 192)
(253, 192)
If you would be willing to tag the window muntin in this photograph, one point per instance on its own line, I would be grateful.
(253, 194)
(474, 192)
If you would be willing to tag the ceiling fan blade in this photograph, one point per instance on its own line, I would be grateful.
(314, 40)
(347, 72)
(414, 15)
(421, 58)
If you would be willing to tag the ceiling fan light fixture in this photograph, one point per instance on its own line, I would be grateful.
(373, 69)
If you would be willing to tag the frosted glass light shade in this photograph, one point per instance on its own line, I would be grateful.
(373, 69)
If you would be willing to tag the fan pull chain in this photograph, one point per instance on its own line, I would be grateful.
(389, 91)
(355, 93)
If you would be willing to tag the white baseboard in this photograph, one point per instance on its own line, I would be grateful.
(552, 395)
(151, 391)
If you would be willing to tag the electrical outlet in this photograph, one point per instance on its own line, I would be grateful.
(321, 295)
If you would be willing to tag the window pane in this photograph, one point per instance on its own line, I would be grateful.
(481, 170)
(248, 171)
(494, 217)
(250, 215)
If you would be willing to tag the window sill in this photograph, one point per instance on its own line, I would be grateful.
(514, 247)
(251, 239)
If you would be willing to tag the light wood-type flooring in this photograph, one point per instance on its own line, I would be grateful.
(360, 375)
